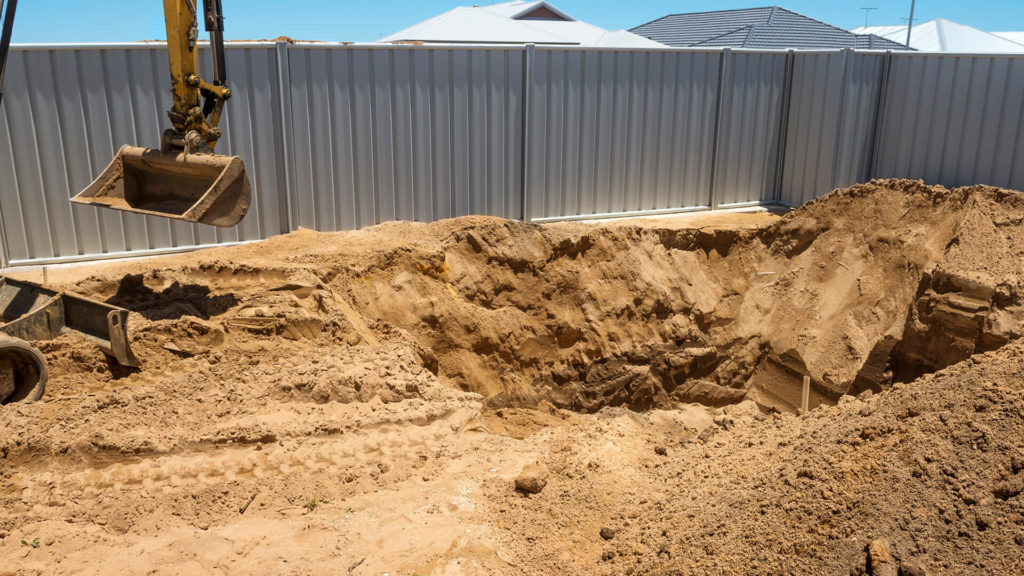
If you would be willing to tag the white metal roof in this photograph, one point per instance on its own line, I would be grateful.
(1017, 37)
(498, 24)
(889, 32)
(624, 39)
(941, 35)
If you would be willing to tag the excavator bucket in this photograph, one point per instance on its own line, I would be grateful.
(204, 188)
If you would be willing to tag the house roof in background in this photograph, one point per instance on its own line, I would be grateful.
(767, 27)
(505, 23)
(1017, 37)
(518, 9)
(941, 35)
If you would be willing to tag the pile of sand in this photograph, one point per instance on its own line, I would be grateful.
(369, 396)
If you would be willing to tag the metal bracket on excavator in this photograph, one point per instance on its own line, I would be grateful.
(31, 312)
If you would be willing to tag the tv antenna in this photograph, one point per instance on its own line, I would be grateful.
(867, 12)
(910, 22)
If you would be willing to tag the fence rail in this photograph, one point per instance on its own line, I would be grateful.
(339, 137)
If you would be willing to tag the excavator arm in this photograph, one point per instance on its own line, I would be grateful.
(184, 179)
(194, 125)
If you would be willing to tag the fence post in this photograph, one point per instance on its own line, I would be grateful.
(285, 166)
(529, 55)
(5, 254)
(725, 90)
(876, 134)
(787, 99)
(5, 251)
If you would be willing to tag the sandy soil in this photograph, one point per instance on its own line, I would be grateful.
(363, 403)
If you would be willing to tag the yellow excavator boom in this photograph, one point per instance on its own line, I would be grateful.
(184, 179)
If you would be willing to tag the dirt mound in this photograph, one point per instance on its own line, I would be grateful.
(371, 396)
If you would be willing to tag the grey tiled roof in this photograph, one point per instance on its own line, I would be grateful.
(769, 27)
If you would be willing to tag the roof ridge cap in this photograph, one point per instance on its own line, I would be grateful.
(714, 11)
(733, 31)
(436, 20)
(567, 39)
(833, 26)
(750, 34)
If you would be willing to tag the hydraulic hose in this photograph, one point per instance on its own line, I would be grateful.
(5, 40)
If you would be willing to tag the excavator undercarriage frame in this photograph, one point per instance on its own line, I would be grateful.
(30, 312)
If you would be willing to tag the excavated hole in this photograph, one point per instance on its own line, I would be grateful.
(875, 284)
(863, 288)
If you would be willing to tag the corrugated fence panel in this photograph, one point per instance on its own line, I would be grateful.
(748, 137)
(251, 130)
(813, 125)
(831, 123)
(404, 134)
(954, 120)
(852, 158)
(340, 137)
(619, 131)
(65, 114)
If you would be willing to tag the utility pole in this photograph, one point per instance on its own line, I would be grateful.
(910, 23)
(867, 12)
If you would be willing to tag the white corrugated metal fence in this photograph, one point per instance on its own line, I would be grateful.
(339, 137)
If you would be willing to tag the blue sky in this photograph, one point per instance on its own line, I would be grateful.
(366, 20)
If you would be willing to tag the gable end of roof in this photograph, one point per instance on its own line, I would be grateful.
(541, 5)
